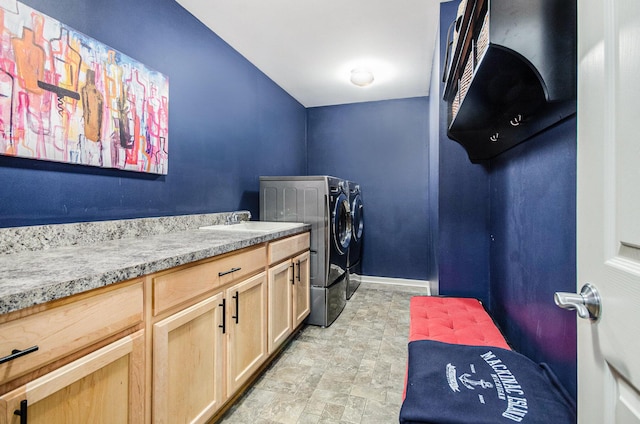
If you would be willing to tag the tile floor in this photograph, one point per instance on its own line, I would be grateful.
(350, 372)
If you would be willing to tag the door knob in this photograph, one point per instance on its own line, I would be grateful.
(586, 303)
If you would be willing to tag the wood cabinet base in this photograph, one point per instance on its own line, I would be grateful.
(87, 390)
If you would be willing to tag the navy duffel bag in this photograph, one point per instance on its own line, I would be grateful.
(450, 383)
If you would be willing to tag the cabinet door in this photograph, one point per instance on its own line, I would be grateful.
(105, 386)
(301, 291)
(281, 287)
(247, 324)
(187, 363)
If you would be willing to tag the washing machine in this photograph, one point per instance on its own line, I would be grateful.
(354, 259)
(322, 202)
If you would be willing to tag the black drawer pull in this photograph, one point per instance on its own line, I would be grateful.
(224, 316)
(293, 273)
(22, 412)
(298, 263)
(16, 353)
(220, 274)
(237, 315)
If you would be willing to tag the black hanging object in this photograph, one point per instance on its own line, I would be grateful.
(512, 74)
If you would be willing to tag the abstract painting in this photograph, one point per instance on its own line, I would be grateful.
(66, 97)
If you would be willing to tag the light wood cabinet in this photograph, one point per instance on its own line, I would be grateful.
(188, 363)
(174, 347)
(65, 327)
(280, 304)
(247, 330)
(75, 360)
(285, 248)
(204, 352)
(289, 291)
(191, 346)
(177, 286)
(103, 387)
(302, 291)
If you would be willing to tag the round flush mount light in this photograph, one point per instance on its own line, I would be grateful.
(361, 77)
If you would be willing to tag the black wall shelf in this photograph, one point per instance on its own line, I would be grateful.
(512, 73)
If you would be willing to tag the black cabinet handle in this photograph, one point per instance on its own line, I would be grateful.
(224, 316)
(16, 353)
(236, 297)
(293, 274)
(298, 263)
(22, 412)
(220, 274)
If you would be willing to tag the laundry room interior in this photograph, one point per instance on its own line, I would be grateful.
(500, 230)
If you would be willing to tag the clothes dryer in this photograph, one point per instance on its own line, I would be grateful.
(323, 202)
(357, 232)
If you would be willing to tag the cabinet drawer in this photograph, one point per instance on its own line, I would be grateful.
(175, 287)
(62, 330)
(290, 246)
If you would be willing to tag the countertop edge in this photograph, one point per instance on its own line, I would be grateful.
(38, 294)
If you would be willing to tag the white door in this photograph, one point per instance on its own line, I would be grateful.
(609, 208)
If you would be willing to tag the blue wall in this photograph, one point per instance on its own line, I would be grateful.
(533, 249)
(384, 147)
(228, 124)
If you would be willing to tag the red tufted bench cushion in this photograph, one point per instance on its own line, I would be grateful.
(453, 320)
(448, 382)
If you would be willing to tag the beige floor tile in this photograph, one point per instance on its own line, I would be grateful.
(351, 372)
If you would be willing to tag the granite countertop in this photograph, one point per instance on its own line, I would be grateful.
(33, 277)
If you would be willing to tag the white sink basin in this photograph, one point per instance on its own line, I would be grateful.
(256, 226)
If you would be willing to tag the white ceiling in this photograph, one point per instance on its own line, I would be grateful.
(308, 47)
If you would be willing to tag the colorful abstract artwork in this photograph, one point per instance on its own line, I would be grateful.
(66, 97)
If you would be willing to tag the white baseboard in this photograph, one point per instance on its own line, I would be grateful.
(399, 282)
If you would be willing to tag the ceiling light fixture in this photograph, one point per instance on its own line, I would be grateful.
(361, 77)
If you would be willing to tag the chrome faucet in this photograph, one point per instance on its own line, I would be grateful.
(234, 217)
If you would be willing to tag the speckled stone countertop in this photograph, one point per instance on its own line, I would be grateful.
(32, 277)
